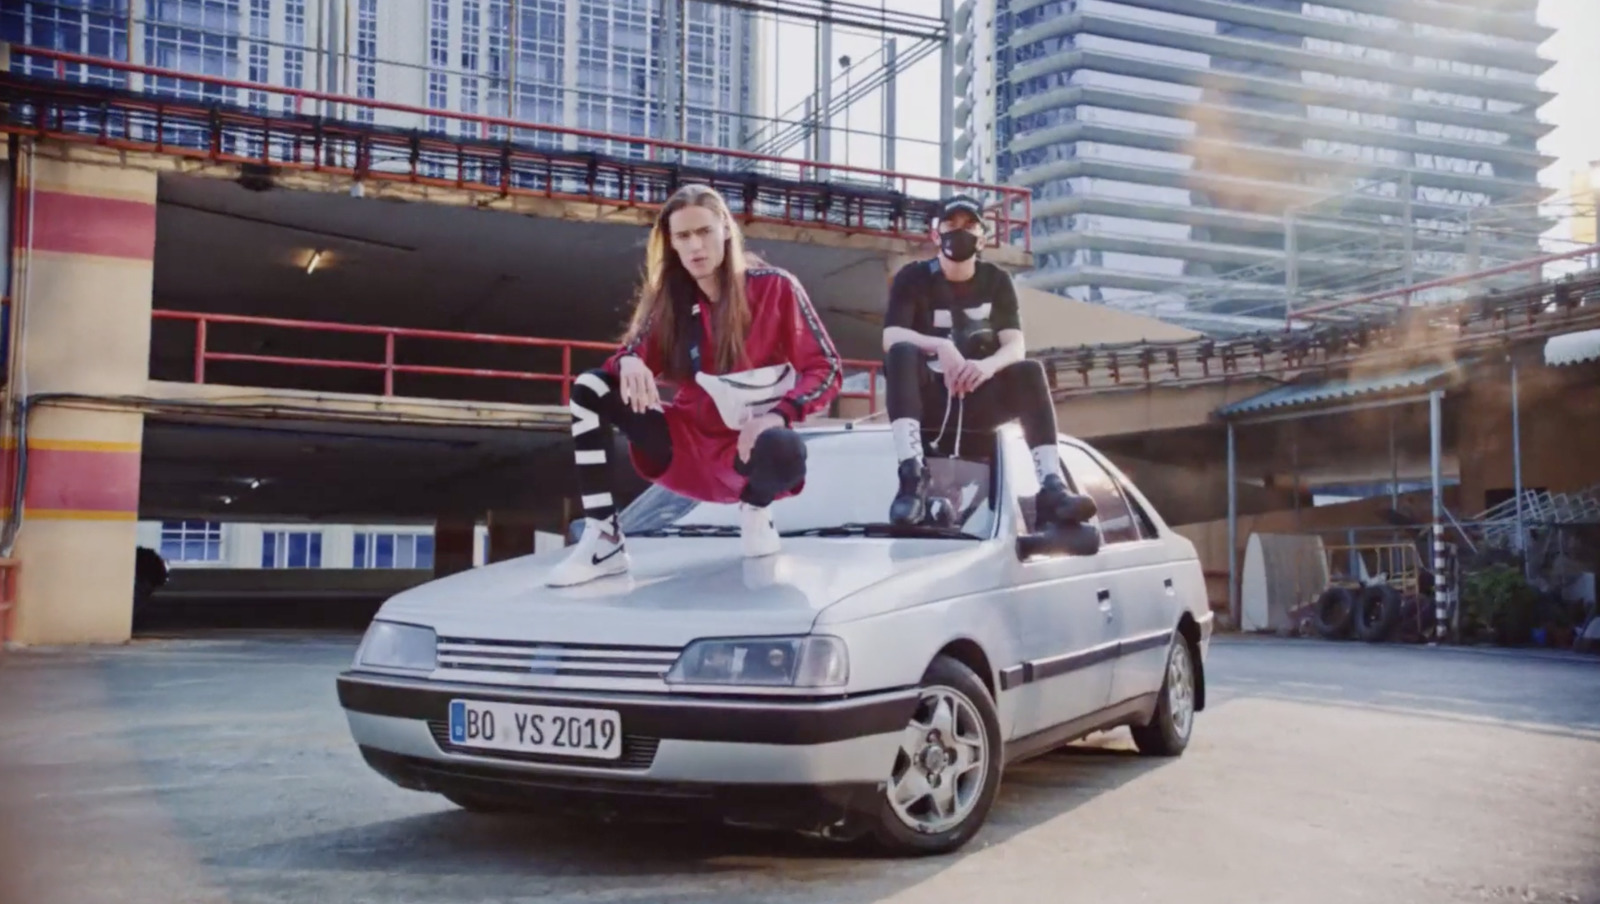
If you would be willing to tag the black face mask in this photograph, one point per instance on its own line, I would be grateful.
(958, 244)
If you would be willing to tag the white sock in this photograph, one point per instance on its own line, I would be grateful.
(1046, 461)
(907, 438)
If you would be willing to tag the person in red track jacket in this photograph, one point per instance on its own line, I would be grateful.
(748, 356)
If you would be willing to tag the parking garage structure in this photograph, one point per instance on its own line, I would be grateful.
(231, 314)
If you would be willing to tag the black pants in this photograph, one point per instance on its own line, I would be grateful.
(1016, 392)
(777, 462)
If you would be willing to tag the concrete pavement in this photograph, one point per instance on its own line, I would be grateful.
(219, 769)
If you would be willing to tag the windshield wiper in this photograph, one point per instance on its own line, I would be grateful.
(884, 529)
(688, 530)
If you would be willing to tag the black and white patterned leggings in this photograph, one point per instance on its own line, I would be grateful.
(777, 463)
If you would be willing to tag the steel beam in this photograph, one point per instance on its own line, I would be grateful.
(947, 97)
(1441, 578)
(1516, 453)
(1233, 532)
(847, 14)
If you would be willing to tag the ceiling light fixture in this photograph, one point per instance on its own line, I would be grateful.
(316, 258)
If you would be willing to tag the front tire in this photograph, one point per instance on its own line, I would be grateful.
(947, 771)
(1168, 732)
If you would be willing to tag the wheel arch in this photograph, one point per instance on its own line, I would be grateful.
(1189, 630)
(971, 654)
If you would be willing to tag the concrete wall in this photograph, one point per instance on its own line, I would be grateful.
(1560, 426)
(1198, 492)
(1149, 409)
(268, 583)
(1211, 537)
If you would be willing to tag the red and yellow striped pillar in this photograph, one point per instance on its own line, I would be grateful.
(84, 262)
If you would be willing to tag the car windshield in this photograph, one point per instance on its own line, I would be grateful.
(851, 479)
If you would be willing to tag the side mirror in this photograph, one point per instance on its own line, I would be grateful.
(1074, 540)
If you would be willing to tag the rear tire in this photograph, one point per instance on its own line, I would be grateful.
(1378, 612)
(954, 734)
(1334, 614)
(1168, 732)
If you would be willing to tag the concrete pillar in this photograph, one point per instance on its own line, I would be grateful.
(453, 545)
(511, 534)
(84, 262)
(338, 545)
(520, 533)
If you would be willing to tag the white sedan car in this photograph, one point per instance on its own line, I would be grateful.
(866, 681)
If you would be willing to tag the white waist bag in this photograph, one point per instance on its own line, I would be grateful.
(747, 394)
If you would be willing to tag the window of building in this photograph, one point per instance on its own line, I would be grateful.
(294, 55)
(393, 550)
(366, 56)
(291, 549)
(93, 29)
(191, 541)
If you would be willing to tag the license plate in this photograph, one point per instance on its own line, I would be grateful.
(519, 728)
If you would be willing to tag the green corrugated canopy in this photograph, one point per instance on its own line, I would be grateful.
(1312, 392)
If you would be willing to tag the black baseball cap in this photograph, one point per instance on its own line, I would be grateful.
(959, 204)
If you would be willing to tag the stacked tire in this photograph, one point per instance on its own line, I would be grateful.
(1379, 609)
(1368, 613)
(1335, 612)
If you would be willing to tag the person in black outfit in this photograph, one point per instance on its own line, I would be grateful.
(954, 352)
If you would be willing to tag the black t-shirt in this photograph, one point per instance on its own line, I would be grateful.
(972, 313)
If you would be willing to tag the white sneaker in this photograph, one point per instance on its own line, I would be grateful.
(598, 553)
(756, 531)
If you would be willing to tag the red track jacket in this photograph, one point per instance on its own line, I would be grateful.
(784, 327)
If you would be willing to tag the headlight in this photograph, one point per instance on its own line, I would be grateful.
(810, 661)
(391, 645)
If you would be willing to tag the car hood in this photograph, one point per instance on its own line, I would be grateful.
(677, 590)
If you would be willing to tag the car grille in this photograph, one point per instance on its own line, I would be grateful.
(555, 659)
(638, 752)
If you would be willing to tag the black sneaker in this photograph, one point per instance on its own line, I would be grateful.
(911, 503)
(1059, 506)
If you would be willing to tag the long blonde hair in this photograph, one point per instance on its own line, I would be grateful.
(666, 280)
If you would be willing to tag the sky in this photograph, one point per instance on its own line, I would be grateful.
(1575, 49)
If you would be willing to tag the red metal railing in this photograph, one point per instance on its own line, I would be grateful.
(1532, 264)
(390, 365)
(317, 139)
(1514, 314)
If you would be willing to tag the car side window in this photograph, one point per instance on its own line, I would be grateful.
(1147, 524)
(1024, 482)
(1118, 523)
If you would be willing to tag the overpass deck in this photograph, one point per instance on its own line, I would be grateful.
(403, 148)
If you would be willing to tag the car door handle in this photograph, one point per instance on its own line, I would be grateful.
(1103, 595)
(1167, 584)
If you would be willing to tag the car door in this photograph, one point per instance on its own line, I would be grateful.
(1067, 635)
(1147, 601)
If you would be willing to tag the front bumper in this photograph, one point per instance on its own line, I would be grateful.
(712, 752)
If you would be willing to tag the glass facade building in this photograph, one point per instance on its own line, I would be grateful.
(588, 64)
(1164, 140)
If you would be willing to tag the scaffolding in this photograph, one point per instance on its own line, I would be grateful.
(1380, 240)
(855, 53)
